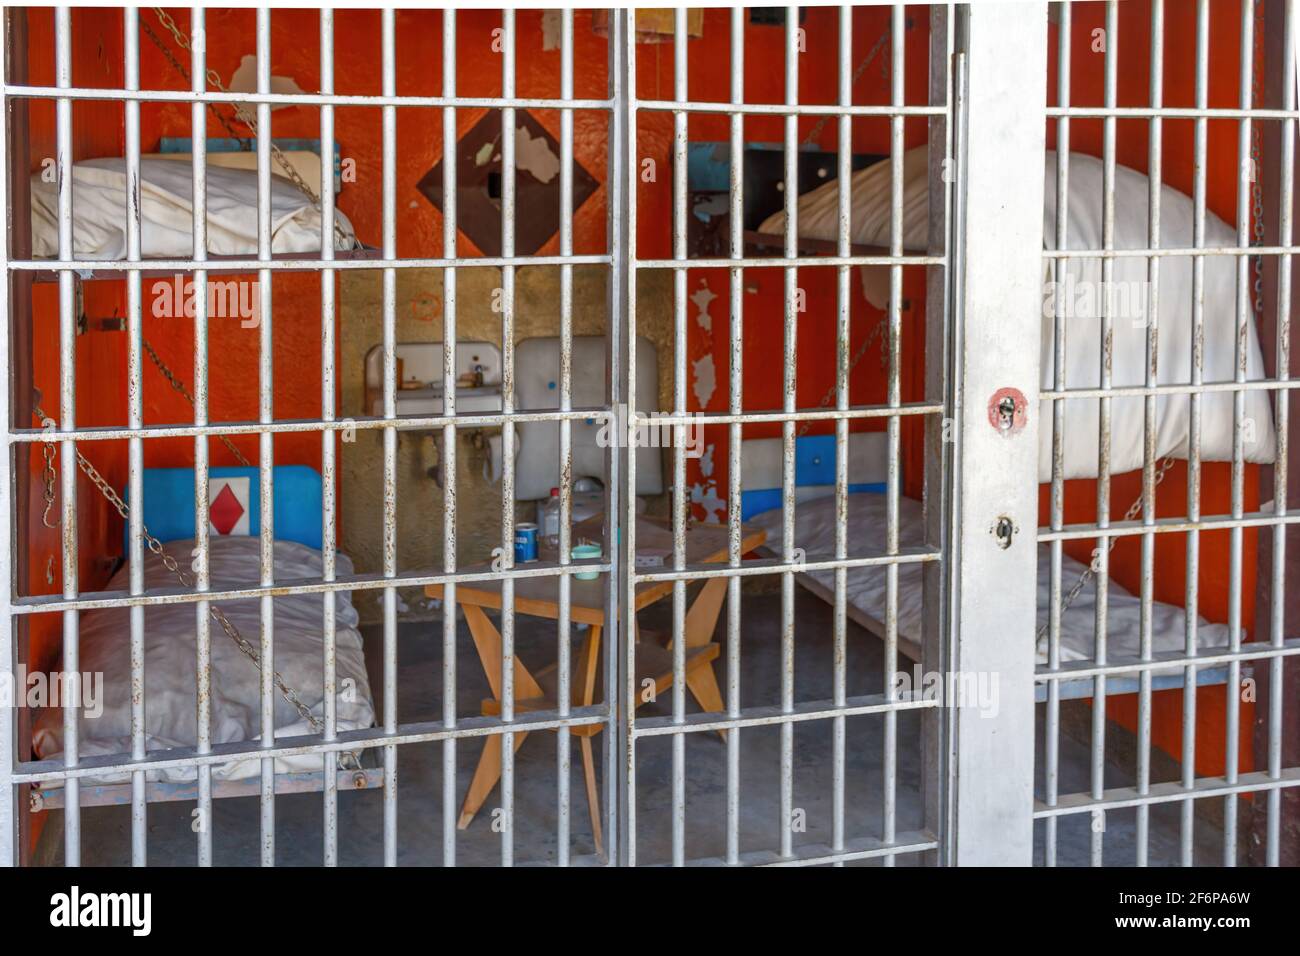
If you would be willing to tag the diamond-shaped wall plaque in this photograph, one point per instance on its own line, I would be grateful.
(537, 184)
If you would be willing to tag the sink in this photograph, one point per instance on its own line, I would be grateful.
(426, 401)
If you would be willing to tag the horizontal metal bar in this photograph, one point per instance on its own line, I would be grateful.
(1126, 529)
(1142, 391)
(179, 758)
(785, 109)
(302, 99)
(808, 415)
(819, 854)
(49, 603)
(283, 426)
(774, 715)
(786, 262)
(1172, 253)
(699, 572)
(158, 791)
(90, 268)
(1169, 112)
(1169, 792)
(1167, 661)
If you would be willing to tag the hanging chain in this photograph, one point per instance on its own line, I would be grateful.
(346, 759)
(241, 113)
(177, 384)
(1091, 571)
(49, 475)
(816, 131)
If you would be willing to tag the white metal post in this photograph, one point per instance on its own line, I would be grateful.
(997, 309)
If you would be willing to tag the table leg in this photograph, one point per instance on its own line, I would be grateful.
(486, 776)
(701, 621)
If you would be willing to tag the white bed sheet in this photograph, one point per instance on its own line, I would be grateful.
(167, 212)
(865, 590)
(170, 664)
(1078, 287)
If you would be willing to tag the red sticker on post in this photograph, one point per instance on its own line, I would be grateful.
(1008, 410)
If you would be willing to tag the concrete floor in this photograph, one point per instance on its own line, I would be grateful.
(106, 830)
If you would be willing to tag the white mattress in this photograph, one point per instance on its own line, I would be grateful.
(865, 590)
(170, 664)
(167, 212)
(818, 218)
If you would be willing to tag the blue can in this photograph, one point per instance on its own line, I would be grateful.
(525, 542)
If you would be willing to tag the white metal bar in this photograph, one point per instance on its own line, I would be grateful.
(508, 434)
(266, 448)
(448, 456)
(998, 309)
(202, 610)
(135, 417)
(67, 420)
(389, 197)
(329, 473)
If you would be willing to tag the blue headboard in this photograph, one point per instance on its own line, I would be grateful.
(169, 502)
(814, 468)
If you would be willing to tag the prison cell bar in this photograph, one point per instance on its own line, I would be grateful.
(329, 467)
(199, 251)
(735, 404)
(389, 134)
(787, 712)
(448, 457)
(508, 437)
(67, 420)
(266, 441)
(135, 417)
(1190, 787)
(679, 499)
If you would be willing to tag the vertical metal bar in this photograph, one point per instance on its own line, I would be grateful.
(844, 172)
(1052, 744)
(202, 609)
(1286, 207)
(389, 132)
(1232, 689)
(1000, 240)
(1194, 430)
(329, 477)
(11, 831)
(680, 94)
(135, 419)
(620, 654)
(508, 433)
(1149, 423)
(68, 422)
(564, 743)
(266, 449)
(789, 404)
(1102, 552)
(893, 485)
(448, 457)
(736, 383)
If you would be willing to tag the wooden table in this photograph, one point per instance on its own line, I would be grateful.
(539, 597)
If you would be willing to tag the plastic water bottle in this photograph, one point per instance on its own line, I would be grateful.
(551, 520)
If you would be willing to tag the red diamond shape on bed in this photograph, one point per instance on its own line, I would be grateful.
(225, 511)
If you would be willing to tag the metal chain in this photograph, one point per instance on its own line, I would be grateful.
(185, 393)
(346, 759)
(241, 113)
(1256, 188)
(857, 357)
(816, 132)
(49, 475)
(1091, 571)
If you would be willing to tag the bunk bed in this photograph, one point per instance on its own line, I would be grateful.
(872, 195)
(170, 651)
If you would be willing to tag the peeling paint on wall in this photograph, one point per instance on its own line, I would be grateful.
(706, 379)
(244, 80)
(706, 496)
(702, 297)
